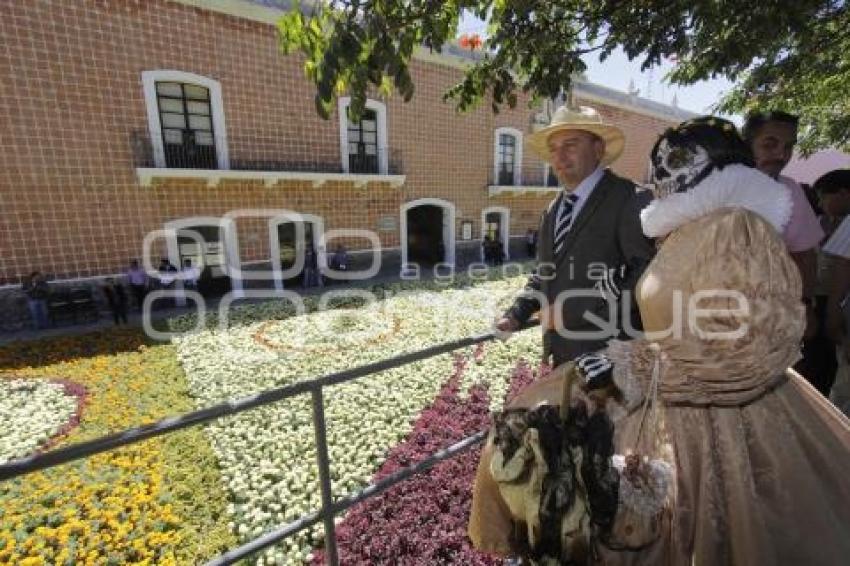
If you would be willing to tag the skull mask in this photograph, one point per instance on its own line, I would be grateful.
(677, 168)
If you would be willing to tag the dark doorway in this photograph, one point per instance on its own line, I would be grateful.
(493, 225)
(493, 246)
(291, 246)
(212, 279)
(425, 235)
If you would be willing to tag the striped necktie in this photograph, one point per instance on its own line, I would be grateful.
(562, 226)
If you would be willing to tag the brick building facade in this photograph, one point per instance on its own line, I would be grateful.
(90, 166)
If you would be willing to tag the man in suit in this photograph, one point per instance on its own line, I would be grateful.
(591, 249)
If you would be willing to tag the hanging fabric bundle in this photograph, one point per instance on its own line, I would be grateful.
(646, 474)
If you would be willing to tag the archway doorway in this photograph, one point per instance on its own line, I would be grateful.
(495, 224)
(207, 245)
(291, 236)
(425, 244)
(427, 232)
(212, 281)
(295, 243)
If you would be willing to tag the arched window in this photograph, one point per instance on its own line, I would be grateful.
(507, 156)
(185, 120)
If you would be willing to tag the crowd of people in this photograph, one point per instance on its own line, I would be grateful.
(673, 429)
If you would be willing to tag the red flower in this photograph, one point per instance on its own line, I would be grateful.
(470, 41)
(423, 520)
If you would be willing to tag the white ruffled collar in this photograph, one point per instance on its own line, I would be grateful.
(735, 186)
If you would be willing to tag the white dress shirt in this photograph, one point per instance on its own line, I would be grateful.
(582, 191)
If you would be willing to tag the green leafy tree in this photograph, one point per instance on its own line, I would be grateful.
(785, 55)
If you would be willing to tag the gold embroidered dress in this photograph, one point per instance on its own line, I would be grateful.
(761, 460)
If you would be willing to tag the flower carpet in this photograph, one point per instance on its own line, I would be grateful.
(186, 497)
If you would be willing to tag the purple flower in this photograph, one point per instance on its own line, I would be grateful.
(423, 519)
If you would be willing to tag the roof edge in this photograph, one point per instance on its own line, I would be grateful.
(455, 57)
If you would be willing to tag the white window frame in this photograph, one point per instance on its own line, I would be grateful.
(149, 80)
(380, 110)
(517, 135)
(546, 168)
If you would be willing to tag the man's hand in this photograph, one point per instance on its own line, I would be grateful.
(505, 326)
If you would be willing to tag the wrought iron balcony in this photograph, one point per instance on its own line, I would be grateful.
(192, 160)
(527, 181)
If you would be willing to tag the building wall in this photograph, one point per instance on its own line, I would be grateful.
(75, 128)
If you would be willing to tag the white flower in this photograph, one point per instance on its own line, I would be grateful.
(32, 412)
(268, 455)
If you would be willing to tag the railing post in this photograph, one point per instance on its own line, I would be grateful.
(324, 477)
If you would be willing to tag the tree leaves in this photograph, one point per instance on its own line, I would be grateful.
(785, 54)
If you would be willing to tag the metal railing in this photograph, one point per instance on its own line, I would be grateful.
(313, 158)
(529, 177)
(329, 508)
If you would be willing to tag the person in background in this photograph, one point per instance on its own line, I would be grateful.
(190, 275)
(166, 273)
(311, 275)
(772, 137)
(531, 242)
(138, 281)
(116, 298)
(340, 259)
(166, 266)
(36, 289)
(165, 281)
(834, 190)
(487, 249)
(498, 251)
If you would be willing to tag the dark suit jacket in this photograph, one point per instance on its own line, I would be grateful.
(606, 235)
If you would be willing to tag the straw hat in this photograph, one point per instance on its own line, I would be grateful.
(582, 118)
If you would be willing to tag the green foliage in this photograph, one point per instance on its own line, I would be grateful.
(355, 46)
(783, 54)
(808, 75)
(192, 470)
